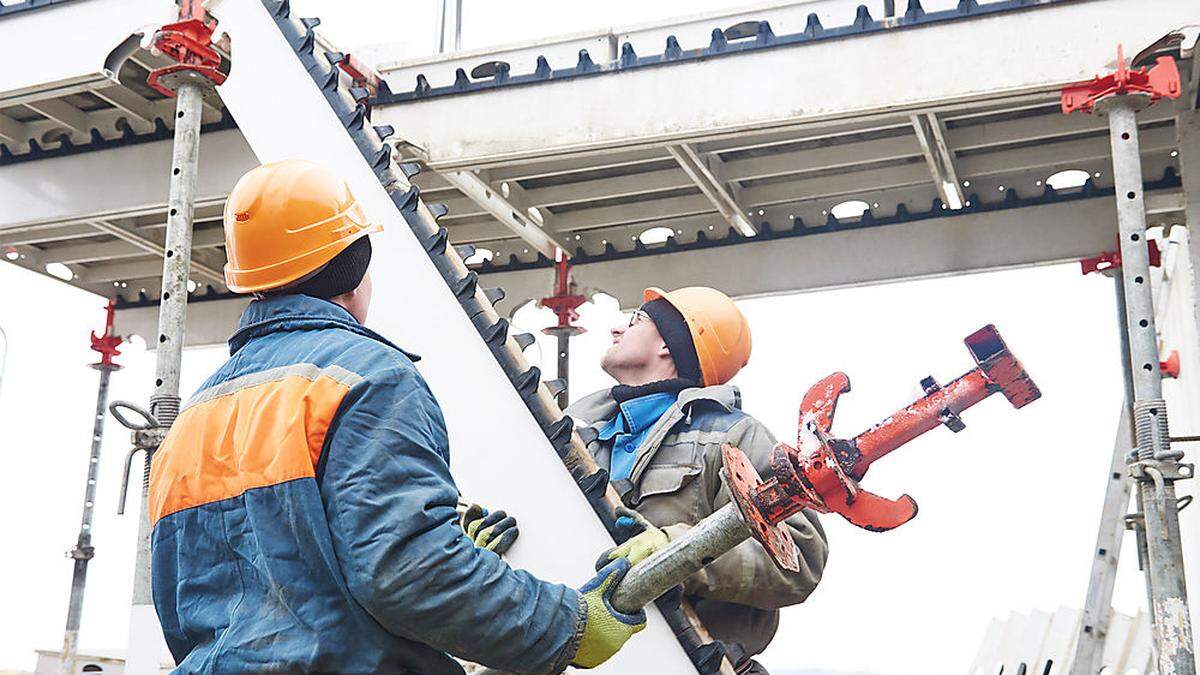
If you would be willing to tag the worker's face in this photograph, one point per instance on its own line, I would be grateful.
(638, 353)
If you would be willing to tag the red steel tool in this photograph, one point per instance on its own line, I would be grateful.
(822, 472)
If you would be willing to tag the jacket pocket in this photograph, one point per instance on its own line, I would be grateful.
(661, 480)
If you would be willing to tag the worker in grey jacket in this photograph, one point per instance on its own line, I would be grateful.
(660, 432)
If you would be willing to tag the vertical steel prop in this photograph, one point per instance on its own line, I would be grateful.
(1154, 465)
(106, 344)
(197, 68)
(565, 305)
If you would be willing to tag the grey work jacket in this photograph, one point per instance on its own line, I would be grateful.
(676, 482)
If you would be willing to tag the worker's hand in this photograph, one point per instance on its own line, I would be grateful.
(637, 548)
(495, 531)
(606, 630)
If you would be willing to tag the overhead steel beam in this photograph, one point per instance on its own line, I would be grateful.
(539, 236)
(14, 134)
(111, 250)
(142, 109)
(154, 243)
(695, 167)
(560, 117)
(931, 135)
(64, 113)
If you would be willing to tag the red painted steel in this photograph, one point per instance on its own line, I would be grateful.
(1159, 81)
(107, 343)
(189, 42)
(822, 472)
(564, 303)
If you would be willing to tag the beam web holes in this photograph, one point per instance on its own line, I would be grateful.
(174, 211)
(192, 286)
(12, 254)
(158, 382)
(1138, 280)
(1131, 194)
(850, 209)
(504, 189)
(1135, 236)
(1066, 179)
(175, 171)
(60, 271)
(1125, 135)
(170, 253)
(179, 114)
(656, 235)
(1143, 323)
(162, 338)
(1147, 367)
(166, 295)
(480, 256)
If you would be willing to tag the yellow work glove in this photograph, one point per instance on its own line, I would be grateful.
(495, 531)
(638, 547)
(606, 630)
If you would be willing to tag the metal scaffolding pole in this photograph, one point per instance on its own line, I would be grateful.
(1155, 467)
(172, 314)
(106, 345)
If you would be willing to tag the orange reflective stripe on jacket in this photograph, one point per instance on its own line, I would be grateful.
(252, 431)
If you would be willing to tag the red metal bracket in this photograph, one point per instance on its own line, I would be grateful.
(189, 42)
(822, 472)
(361, 75)
(1111, 260)
(1158, 81)
(107, 343)
(564, 303)
(1170, 367)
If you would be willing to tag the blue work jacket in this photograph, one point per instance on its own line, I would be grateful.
(304, 518)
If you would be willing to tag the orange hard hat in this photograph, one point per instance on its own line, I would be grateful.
(285, 220)
(719, 332)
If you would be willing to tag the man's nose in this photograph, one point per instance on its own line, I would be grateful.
(618, 330)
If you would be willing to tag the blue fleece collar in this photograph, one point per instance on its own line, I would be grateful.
(629, 428)
(278, 313)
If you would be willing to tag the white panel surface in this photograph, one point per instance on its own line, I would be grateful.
(935, 65)
(32, 68)
(500, 456)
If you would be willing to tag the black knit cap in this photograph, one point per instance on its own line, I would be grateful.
(341, 275)
(674, 331)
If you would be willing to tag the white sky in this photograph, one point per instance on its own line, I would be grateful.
(1009, 507)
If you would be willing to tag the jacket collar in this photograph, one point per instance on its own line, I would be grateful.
(638, 414)
(282, 313)
(599, 407)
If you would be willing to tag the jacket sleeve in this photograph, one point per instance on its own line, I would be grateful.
(746, 575)
(390, 503)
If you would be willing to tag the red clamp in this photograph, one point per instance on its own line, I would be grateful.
(1111, 260)
(189, 42)
(1170, 368)
(1161, 79)
(360, 74)
(822, 472)
(564, 303)
(107, 344)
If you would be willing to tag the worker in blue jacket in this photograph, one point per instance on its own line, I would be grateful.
(304, 516)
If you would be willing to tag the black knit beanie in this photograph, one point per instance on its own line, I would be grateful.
(341, 275)
(674, 331)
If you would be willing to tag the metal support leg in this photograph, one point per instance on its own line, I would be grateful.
(564, 368)
(1157, 467)
(83, 551)
(164, 403)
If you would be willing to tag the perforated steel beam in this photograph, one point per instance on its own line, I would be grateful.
(710, 185)
(931, 134)
(539, 236)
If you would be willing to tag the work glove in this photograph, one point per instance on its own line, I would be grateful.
(640, 546)
(495, 531)
(606, 630)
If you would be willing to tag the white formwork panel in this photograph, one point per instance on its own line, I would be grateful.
(39, 64)
(926, 67)
(500, 457)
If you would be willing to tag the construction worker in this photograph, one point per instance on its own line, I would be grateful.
(660, 432)
(302, 505)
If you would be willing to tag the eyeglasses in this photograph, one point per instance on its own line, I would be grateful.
(638, 316)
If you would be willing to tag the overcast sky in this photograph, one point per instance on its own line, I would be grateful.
(1009, 507)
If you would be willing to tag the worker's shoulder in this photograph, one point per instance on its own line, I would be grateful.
(364, 353)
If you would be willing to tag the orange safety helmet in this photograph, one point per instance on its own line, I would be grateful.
(719, 332)
(285, 220)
